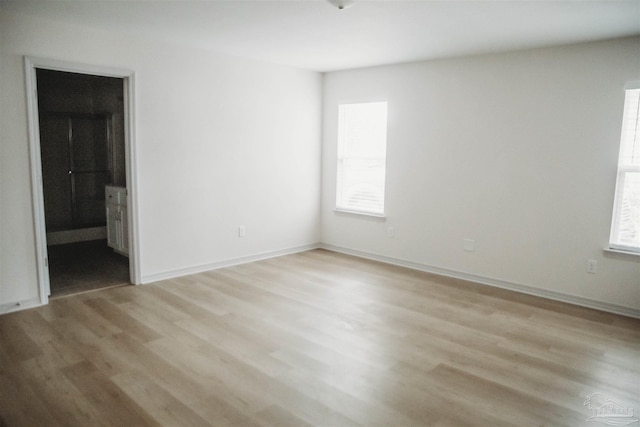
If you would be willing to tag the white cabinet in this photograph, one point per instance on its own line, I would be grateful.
(117, 219)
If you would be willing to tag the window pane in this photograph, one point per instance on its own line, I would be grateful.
(630, 139)
(628, 229)
(625, 226)
(364, 129)
(362, 144)
(363, 184)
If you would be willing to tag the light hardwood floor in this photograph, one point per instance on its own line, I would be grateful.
(315, 338)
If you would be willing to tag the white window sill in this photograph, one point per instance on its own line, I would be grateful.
(381, 217)
(623, 252)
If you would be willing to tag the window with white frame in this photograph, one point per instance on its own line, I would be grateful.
(362, 153)
(625, 226)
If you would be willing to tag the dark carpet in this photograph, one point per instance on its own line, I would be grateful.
(84, 266)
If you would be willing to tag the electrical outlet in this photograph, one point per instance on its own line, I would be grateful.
(469, 245)
(592, 266)
(391, 232)
(242, 231)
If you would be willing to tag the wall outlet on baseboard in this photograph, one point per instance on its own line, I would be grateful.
(242, 231)
(592, 266)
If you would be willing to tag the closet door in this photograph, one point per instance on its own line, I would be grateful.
(76, 165)
(56, 179)
(90, 170)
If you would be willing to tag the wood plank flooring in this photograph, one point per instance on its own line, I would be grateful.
(313, 339)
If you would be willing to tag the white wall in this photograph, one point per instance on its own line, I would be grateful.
(221, 142)
(517, 151)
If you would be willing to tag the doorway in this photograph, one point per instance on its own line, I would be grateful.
(82, 151)
(80, 122)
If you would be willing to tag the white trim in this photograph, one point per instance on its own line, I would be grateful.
(30, 65)
(135, 271)
(74, 67)
(363, 100)
(622, 252)
(40, 230)
(172, 274)
(20, 305)
(73, 236)
(490, 281)
(635, 84)
(381, 216)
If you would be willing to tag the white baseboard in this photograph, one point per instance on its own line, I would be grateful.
(19, 305)
(225, 263)
(73, 236)
(490, 281)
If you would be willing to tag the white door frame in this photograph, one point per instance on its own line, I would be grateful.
(30, 66)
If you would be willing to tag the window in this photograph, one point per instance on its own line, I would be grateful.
(625, 227)
(362, 152)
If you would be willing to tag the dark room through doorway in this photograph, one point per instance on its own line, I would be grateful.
(83, 158)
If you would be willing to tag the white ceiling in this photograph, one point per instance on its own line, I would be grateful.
(312, 34)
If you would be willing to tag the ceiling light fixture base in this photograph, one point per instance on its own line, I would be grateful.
(341, 4)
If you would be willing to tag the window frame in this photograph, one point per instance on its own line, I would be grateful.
(621, 175)
(341, 156)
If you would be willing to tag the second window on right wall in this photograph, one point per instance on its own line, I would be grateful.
(625, 225)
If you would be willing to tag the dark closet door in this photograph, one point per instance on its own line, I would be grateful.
(76, 165)
(90, 169)
(54, 147)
